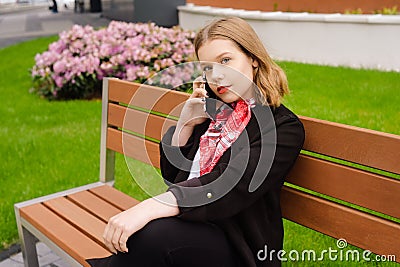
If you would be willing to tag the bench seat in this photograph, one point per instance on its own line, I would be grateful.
(74, 220)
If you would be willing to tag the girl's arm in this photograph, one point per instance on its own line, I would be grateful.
(245, 175)
(123, 225)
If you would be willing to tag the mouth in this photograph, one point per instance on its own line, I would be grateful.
(222, 89)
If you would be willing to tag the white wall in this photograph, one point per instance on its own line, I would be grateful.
(360, 41)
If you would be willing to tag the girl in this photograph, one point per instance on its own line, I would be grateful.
(222, 206)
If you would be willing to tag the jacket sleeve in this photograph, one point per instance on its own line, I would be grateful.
(249, 174)
(173, 158)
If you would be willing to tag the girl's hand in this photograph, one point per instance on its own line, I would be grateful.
(193, 110)
(192, 113)
(121, 226)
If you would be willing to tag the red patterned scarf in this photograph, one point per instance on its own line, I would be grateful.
(222, 133)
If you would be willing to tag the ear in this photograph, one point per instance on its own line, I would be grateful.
(254, 63)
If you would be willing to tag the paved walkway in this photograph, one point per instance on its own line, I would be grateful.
(47, 258)
(36, 21)
(24, 22)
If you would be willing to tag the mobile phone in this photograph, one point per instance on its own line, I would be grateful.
(210, 106)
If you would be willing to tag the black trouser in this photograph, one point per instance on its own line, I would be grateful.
(174, 242)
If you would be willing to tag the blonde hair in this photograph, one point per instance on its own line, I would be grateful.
(268, 76)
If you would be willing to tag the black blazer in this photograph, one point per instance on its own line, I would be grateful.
(246, 206)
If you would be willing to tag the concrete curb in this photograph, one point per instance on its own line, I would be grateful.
(13, 249)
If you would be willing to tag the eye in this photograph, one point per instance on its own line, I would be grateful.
(225, 60)
(207, 68)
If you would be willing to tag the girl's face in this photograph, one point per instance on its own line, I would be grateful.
(229, 71)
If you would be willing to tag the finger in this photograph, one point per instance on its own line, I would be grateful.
(107, 236)
(116, 238)
(198, 84)
(196, 101)
(122, 242)
(198, 107)
(198, 92)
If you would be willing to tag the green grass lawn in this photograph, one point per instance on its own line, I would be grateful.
(51, 146)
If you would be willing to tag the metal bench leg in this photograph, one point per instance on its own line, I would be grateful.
(28, 242)
(28, 247)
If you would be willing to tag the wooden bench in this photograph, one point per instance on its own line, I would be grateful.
(71, 223)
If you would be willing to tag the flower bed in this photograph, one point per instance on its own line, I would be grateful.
(74, 66)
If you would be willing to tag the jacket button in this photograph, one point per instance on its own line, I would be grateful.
(209, 195)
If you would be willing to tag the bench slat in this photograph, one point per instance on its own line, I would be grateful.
(80, 218)
(68, 238)
(360, 229)
(94, 205)
(134, 147)
(138, 121)
(367, 147)
(362, 188)
(115, 197)
(166, 101)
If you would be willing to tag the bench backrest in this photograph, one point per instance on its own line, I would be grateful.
(334, 188)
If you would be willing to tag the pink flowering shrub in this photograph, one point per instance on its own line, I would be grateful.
(74, 66)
